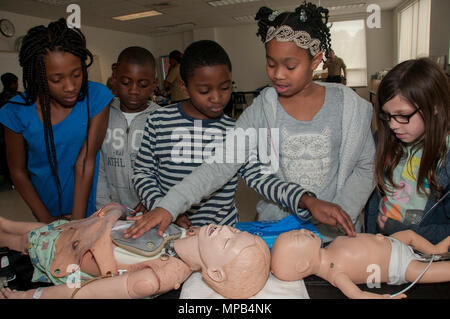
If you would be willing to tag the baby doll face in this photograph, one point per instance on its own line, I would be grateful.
(135, 84)
(209, 89)
(408, 132)
(64, 76)
(289, 67)
(219, 245)
(293, 253)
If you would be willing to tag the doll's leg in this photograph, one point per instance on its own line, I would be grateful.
(14, 242)
(17, 228)
(438, 272)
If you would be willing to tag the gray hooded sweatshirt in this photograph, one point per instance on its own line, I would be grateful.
(117, 155)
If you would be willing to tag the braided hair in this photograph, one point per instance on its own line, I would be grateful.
(36, 44)
(307, 17)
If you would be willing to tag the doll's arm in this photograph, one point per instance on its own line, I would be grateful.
(419, 243)
(433, 232)
(352, 291)
(140, 284)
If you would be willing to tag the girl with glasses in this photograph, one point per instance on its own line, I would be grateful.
(412, 168)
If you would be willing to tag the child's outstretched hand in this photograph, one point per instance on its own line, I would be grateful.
(158, 216)
(329, 214)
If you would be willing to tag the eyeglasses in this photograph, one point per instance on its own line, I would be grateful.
(402, 119)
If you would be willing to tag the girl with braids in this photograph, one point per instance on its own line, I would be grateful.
(412, 165)
(54, 130)
(324, 150)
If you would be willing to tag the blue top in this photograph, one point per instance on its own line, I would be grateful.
(69, 136)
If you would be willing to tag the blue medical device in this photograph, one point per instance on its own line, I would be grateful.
(269, 230)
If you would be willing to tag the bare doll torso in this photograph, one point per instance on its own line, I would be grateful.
(345, 255)
(88, 243)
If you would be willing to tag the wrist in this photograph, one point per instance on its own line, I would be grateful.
(306, 199)
(166, 212)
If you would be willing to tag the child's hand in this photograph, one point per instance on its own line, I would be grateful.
(158, 216)
(329, 214)
(183, 221)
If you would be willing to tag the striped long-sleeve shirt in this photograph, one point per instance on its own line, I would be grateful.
(174, 144)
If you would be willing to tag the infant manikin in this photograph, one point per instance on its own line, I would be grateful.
(345, 262)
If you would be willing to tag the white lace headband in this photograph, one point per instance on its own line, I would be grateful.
(302, 39)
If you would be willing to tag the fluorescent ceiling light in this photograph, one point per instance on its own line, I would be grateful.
(347, 6)
(55, 2)
(220, 3)
(245, 19)
(138, 15)
(174, 27)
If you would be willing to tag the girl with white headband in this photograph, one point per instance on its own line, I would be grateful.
(319, 134)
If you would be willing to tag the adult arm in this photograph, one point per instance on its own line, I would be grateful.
(170, 78)
(85, 163)
(344, 68)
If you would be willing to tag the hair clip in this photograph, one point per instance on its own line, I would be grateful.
(273, 15)
(303, 16)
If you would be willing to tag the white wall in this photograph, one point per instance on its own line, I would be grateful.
(245, 50)
(439, 29)
(247, 54)
(106, 44)
(380, 47)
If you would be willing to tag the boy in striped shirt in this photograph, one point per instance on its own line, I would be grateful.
(180, 137)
